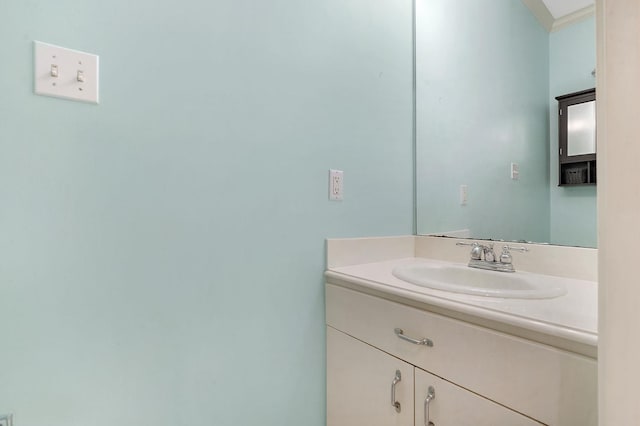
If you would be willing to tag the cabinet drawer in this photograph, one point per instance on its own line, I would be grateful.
(553, 386)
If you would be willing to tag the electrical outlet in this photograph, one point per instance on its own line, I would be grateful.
(464, 195)
(6, 420)
(336, 185)
(515, 171)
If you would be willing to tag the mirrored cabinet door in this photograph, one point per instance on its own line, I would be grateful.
(581, 129)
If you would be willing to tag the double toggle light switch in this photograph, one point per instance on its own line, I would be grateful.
(55, 74)
(65, 73)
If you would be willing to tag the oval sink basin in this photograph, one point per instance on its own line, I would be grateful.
(479, 282)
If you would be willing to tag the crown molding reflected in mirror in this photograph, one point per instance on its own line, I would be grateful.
(551, 23)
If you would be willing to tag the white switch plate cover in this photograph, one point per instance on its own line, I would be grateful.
(70, 66)
(336, 185)
(6, 420)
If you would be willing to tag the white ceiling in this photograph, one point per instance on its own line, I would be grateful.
(556, 14)
(561, 8)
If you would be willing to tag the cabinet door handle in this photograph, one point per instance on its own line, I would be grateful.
(424, 341)
(396, 380)
(431, 395)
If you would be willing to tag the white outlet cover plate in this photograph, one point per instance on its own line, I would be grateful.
(464, 195)
(68, 63)
(515, 171)
(336, 185)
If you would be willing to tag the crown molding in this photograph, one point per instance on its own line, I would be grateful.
(572, 18)
(542, 14)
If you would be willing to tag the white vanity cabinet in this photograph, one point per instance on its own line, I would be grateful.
(366, 386)
(480, 376)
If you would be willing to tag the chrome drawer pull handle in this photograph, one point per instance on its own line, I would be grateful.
(396, 379)
(425, 341)
(431, 395)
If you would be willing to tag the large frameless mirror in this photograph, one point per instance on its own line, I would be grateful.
(487, 74)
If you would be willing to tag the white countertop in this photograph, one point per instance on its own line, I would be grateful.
(572, 317)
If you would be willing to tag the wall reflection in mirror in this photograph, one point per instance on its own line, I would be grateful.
(487, 74)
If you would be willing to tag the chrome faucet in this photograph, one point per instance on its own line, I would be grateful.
(483, 257)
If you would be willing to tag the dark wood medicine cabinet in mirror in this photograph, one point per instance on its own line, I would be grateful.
(577, 138)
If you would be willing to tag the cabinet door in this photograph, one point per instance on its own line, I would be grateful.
(360, 384)
(451, 405)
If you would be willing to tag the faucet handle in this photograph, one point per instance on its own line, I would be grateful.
(506, 258)
(522, 249)
(463, 243)
(476, 249)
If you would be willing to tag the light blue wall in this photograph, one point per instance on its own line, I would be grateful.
(161, 254)
(572, 57)
(482, 79)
